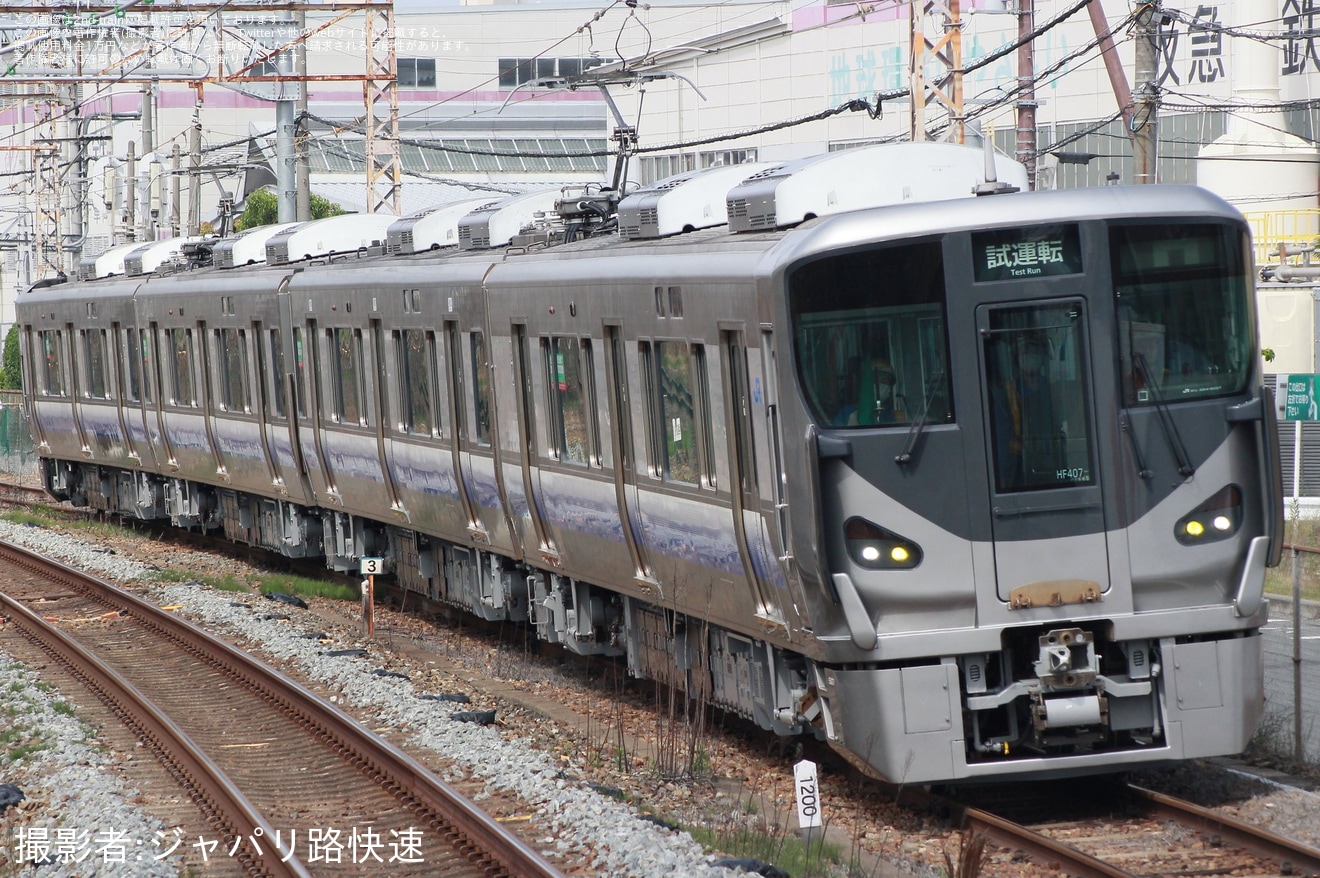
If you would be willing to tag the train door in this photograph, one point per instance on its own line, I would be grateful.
(531, 472)
(260, 402)
(379, 384)
(139, 348)
(209, 398)
(128, 385)
(1046, 505)
(307, 359)
(458, 416)
(37, 380)
(749, 526)
(289, 393)
(76, 384)
(621, 437)
(162, 344)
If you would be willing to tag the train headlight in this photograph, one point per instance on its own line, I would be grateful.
(873, 547)
(1217, 518)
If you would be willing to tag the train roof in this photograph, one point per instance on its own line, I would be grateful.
(686, 254)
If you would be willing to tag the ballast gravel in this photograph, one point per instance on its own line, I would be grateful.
(597, 832)
(76, 817)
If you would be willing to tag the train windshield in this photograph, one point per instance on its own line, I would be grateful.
(1182, 293)
(869, 334)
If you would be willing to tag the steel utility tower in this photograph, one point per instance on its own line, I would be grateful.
(936, 70)
(195, 43)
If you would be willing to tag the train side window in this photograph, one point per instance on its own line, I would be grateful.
(591, 403)
(415, 382)
(481, 403)
(300, 363)
(278, 398)
(181, 377)
(618, 382)
(701, 410)
(52, 372)
(347, 349)
(453, 352)
(94, 350)
(131, 363)
(674, 431)
(233, 360)
(568, 404)
(148, 360)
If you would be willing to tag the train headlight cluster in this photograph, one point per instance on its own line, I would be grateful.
(1215, 519)
(871, 546)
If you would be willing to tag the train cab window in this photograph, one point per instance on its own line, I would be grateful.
(414, 347)
(869, 336)
(673, 428)
(181, 376)
(481, 402)
(52, 363)
(94, 350)
(278, 398)
(575, 434)
(1183, 293)
(233, 361)
(347, 353)
(1036, 375)
(131, 364)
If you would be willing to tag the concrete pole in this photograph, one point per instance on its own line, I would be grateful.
(148, 147)
(286, 175)
(303, 167)
(175, 216)
(131, 194)
(1026, 99)
(1146, 96)
(195, 173)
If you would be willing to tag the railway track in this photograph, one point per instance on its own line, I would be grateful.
(1125, 831)
(270, 766)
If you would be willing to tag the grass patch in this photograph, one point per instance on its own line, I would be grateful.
(782, 848)
(1299, 532)
(28, 516)
(305, 587)
(24, 750)
(63, 708)
(265, 583)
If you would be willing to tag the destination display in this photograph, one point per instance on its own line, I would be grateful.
(1040, 251)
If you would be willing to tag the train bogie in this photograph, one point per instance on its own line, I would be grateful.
(981, 488)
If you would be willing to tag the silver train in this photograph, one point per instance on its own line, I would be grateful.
(970, 488)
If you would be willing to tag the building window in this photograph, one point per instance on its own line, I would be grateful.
(516, 71)
(416, 72)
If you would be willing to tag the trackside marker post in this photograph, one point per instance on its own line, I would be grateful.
(369, 567)
(807, 792)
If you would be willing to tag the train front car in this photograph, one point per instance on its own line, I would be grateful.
(1035, 488)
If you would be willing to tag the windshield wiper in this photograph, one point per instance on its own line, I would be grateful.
(933, 387)
(1185, 467)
